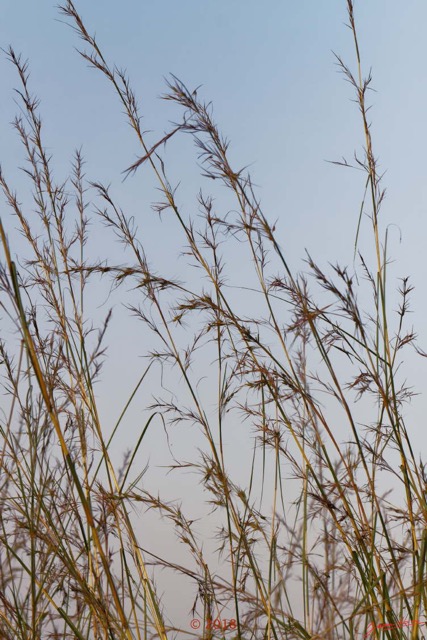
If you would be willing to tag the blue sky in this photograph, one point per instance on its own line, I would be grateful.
(269, 70)
(270, 73)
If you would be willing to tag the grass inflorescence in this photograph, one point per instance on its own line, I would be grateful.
(313, 545)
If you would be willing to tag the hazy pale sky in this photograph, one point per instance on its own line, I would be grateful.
(269, 70)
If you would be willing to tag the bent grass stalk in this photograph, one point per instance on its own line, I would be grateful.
(70, 513)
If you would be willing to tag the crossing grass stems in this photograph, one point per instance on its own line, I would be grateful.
(345, 556)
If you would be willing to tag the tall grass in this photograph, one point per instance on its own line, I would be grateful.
(345, 558)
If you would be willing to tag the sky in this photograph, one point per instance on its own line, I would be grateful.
(277, 94)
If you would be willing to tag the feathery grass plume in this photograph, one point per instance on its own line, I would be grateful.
(310, 545)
